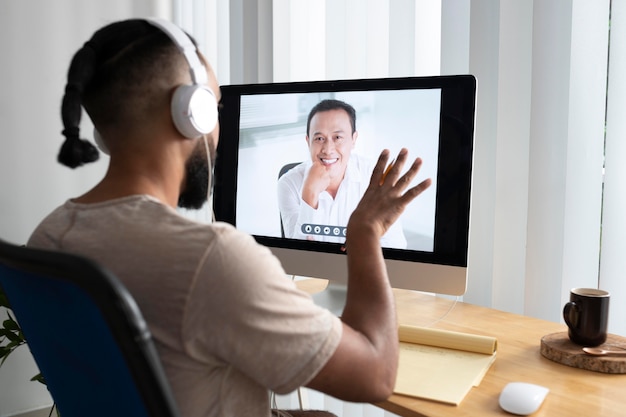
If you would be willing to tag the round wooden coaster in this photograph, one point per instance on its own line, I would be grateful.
(558, 348)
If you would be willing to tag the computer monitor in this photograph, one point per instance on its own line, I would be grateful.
(263, 130)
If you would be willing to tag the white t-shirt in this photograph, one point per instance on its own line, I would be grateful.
(332, 214)
(228, 324)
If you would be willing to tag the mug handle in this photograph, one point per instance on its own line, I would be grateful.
(571, 314)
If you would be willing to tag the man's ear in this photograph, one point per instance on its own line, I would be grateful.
(355, 135)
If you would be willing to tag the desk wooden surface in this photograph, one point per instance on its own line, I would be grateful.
(573, 391)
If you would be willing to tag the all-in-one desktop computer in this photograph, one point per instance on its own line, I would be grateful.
(262, 134)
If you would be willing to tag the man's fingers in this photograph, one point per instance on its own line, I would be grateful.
(415, 191)
(379, 168)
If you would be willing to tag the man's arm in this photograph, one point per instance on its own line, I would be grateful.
(363, 368)
(293, 210)
(287, 205)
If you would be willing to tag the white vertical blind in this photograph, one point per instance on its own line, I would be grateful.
(566, 146)
(299, 40)
(285, 40)
(512, 153)
(613, 258)
(482, 44)
(426, 24)
(585, 146)
(533, 234)
(455, 37)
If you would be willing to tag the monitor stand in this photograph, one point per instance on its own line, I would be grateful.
(333, 297)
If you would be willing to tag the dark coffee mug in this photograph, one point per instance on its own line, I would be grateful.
(587, 316)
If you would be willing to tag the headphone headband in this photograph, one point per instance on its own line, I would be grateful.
(185, 45)
(194, 107)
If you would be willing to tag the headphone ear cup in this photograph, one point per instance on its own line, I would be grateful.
(194, 110)
(99, 142)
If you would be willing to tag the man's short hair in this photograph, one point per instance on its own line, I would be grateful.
(332, 104)
(122, 76)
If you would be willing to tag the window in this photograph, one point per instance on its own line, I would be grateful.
(540, 129)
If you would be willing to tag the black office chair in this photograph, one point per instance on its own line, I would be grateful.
(282, 172)
(86, 335)
(286, 168)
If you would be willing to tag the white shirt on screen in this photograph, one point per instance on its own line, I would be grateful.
(327, 223)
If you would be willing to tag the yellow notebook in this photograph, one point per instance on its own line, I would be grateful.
(441, 365)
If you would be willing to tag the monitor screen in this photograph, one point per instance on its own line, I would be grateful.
(268, 150)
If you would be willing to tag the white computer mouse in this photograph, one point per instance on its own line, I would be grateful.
(522, 398)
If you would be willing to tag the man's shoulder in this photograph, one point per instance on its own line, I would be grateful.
(141, 216)
(360, 168)
(293, 177)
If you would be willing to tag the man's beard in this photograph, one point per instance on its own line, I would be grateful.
(195, 190)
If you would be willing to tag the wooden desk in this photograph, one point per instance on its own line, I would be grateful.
(573, 391)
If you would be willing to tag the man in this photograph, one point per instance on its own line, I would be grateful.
(227, 323)
(316, 198)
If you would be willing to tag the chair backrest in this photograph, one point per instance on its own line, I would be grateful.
(283, 170)
(86, 334)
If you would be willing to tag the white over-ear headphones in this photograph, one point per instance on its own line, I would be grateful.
(193, 106)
